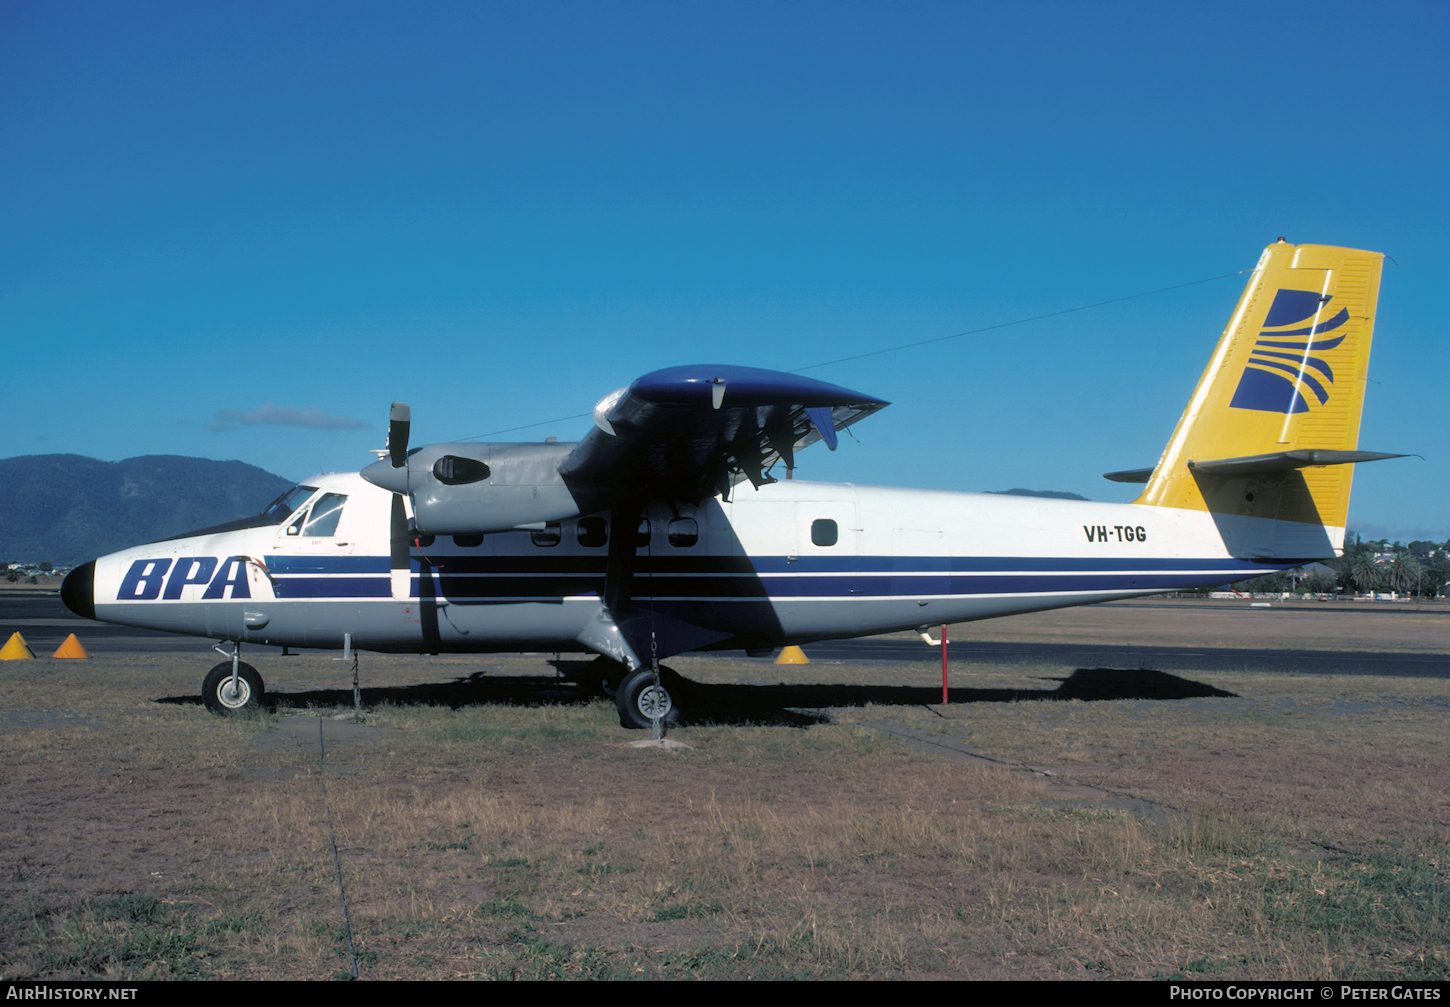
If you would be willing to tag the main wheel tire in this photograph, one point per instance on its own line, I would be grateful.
(639, 700)
(218, 695)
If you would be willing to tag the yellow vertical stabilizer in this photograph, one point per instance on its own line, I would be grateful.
(1288, 376)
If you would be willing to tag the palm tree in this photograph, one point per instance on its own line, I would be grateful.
(1404, 572)
(1364, 571)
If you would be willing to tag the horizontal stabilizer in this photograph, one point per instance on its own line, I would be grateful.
(1285, 461)
(1277, 461)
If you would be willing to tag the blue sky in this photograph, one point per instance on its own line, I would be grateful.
(241, 230)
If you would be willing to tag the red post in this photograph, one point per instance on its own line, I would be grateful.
(943, 666)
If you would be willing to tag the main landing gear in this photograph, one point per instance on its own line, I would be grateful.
(635, 694)
(639, 700)
(232, 686)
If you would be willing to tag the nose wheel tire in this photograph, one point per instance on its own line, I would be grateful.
(640, 700)
(222, 699)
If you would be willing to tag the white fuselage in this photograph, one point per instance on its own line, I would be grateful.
(790, 563)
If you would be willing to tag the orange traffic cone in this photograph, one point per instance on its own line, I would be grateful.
(792, 655)
(71, 648)
(16, 649)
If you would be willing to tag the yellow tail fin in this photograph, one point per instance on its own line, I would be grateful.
(1288, 377)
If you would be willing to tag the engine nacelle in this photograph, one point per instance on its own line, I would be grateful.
(470, 489)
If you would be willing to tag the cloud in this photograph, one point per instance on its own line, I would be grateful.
(269, 414)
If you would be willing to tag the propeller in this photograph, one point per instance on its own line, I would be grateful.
(399, 421)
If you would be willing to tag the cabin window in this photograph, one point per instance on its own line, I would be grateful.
(468, 541)
(684, 532)
(824, 532)
(641, 534)
(593, 532)
(546, 537)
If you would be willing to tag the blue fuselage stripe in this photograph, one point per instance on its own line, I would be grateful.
(513, 577)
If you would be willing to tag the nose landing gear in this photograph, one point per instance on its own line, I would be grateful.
(232, 686)
(223, 698)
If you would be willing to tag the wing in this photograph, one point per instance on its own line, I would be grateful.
(684, 434)
(687, 433)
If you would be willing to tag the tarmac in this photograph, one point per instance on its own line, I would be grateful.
(45, 623)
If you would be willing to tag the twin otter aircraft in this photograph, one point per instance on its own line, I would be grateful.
(641, 541)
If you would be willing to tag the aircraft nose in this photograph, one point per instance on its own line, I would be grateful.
(78, 590)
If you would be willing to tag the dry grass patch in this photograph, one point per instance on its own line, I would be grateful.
(1194, 837)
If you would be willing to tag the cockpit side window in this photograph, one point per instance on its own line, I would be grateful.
(326, 512)
(320, 520)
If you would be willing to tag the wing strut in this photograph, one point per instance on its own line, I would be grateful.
(623, 556)
(604, 634)
(624, 630)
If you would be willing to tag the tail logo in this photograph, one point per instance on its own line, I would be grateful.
(1282, 372)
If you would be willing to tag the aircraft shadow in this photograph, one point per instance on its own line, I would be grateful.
(788, 705)
(738, 704)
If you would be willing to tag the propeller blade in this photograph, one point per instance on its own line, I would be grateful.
(398, 563)
(399, 422)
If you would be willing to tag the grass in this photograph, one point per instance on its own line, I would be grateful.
(116, 937)
(1299, 831)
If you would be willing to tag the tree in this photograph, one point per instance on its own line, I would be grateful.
(1432, 581)
(1365, 572)
(1404, 572)
(1269, 583)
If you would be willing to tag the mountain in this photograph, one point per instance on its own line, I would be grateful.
(68, 509)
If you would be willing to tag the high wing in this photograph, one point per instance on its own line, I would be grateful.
(682, 434)
(686, 433)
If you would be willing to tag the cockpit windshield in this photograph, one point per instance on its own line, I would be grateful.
(321, 522)
(281, 509)
(277, 512)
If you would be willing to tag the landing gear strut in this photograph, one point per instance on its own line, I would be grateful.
(232, 686)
